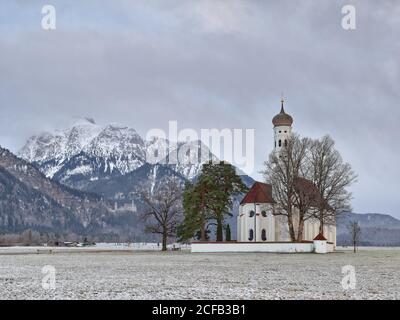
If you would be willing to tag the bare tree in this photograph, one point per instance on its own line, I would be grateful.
(164, 209)
(310, 176)
(332, 177)
(283, 170)
(306, 200)
(355, 233)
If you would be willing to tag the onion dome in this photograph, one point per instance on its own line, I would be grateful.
(282, 118)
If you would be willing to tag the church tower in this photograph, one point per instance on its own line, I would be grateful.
(282, 128)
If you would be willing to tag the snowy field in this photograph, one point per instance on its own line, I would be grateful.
(99, 247)
(182, 275)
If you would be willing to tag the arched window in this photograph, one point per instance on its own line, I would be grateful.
(264, 213)
(263, 235)
(280, 143)
(285, 143)
(251, 214)
(251, 234)
(275, 143)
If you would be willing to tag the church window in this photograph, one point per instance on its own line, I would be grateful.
(251, 234)
(285, 131)
(280, 143)
(263, 235)
(251, 214)
(275, 143)
(264, 213)
(285, 143)
(280, 131)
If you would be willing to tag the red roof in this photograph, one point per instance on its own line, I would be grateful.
(320, 236)
(309, 192)
(259, 193)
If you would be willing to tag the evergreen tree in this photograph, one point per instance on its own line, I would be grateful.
(225, 185)
(197, 215)
(228, 233)
(210, 200)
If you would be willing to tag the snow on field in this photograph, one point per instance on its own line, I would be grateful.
(99, 247)
(182, 275)
(339, 248)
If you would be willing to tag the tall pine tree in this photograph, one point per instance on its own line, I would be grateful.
(228, 236)
(210, 200)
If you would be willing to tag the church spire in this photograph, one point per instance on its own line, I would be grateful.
(282, 101)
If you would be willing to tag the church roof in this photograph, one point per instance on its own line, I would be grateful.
(259, 193)
(320, 236)
(282, 118)
(309, 192)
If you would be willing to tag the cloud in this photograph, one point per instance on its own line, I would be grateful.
(216, 16)
(212, 64)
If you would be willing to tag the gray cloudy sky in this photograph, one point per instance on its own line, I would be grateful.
(213, 63)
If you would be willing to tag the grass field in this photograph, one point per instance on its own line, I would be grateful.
(182, 275)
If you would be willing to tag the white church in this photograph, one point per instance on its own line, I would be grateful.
(256, 220)
(259, 228)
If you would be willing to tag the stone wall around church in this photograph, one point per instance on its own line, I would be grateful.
(273, 247)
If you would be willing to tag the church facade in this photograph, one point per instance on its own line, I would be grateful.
(257, 220)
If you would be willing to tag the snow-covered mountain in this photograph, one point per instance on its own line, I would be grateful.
(85, 148)
(90, 157)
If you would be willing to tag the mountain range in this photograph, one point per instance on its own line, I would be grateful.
(111, 160)
(28, 199)
(376, 229)
(85, 180)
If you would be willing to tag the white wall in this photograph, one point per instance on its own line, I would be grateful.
(280, 134)
(276, 226)
(278, 247)
(257, 222)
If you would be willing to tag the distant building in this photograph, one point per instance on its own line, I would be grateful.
(125, 206)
